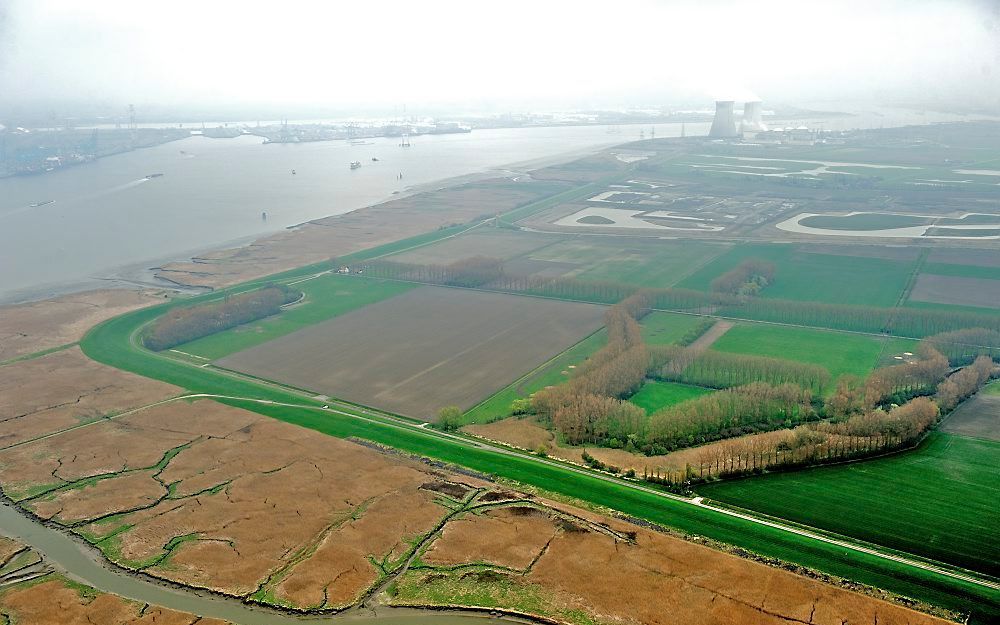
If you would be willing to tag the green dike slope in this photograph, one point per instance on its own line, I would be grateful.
(114, 343)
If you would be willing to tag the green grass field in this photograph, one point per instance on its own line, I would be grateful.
(941, 500)
(325, 297)
(838, 352)
(655, 395)
(665, 328)
(815, 277)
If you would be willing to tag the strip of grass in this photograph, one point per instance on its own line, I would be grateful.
(838, 352)
(655, 395)
(939, 500)
(962, 271)
(325, 297)
(666, 328)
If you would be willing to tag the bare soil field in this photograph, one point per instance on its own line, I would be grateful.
(982, 258)
(492, 242)
(29, 328)
(55, 601)
(955, 290)
(355, 231)
(63, 389)
(978, 417)
(425, 349)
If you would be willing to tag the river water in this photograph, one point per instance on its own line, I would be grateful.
(105, 219)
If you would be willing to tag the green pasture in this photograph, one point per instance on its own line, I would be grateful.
(666, 328)
(838, 352)
(655, 395)
(941, 500)
(803, 276)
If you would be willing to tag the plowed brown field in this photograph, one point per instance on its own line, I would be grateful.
(423, 350)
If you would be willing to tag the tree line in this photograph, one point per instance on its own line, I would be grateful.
(182, 325)
(589, 408)
(746, 279)
(855, 429)
(962, 347)
(914, 322)
(722, 370)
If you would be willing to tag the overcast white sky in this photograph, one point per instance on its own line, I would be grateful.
(454, 53)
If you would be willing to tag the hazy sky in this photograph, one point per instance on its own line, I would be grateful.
(464, 53)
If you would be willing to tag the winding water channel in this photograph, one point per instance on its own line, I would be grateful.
(85, 564)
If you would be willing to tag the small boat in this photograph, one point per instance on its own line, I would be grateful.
(293, 172)
(150, 176)
(355, 164)
(374, 159)
(37, 204)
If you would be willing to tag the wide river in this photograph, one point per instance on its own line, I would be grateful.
(106, 220)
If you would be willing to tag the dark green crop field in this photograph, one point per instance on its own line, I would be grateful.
(941, 500)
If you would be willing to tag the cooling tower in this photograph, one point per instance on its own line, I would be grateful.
(752, 118)
(724, 124)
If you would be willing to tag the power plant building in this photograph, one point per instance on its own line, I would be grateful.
(724, 123)
(752, 121)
